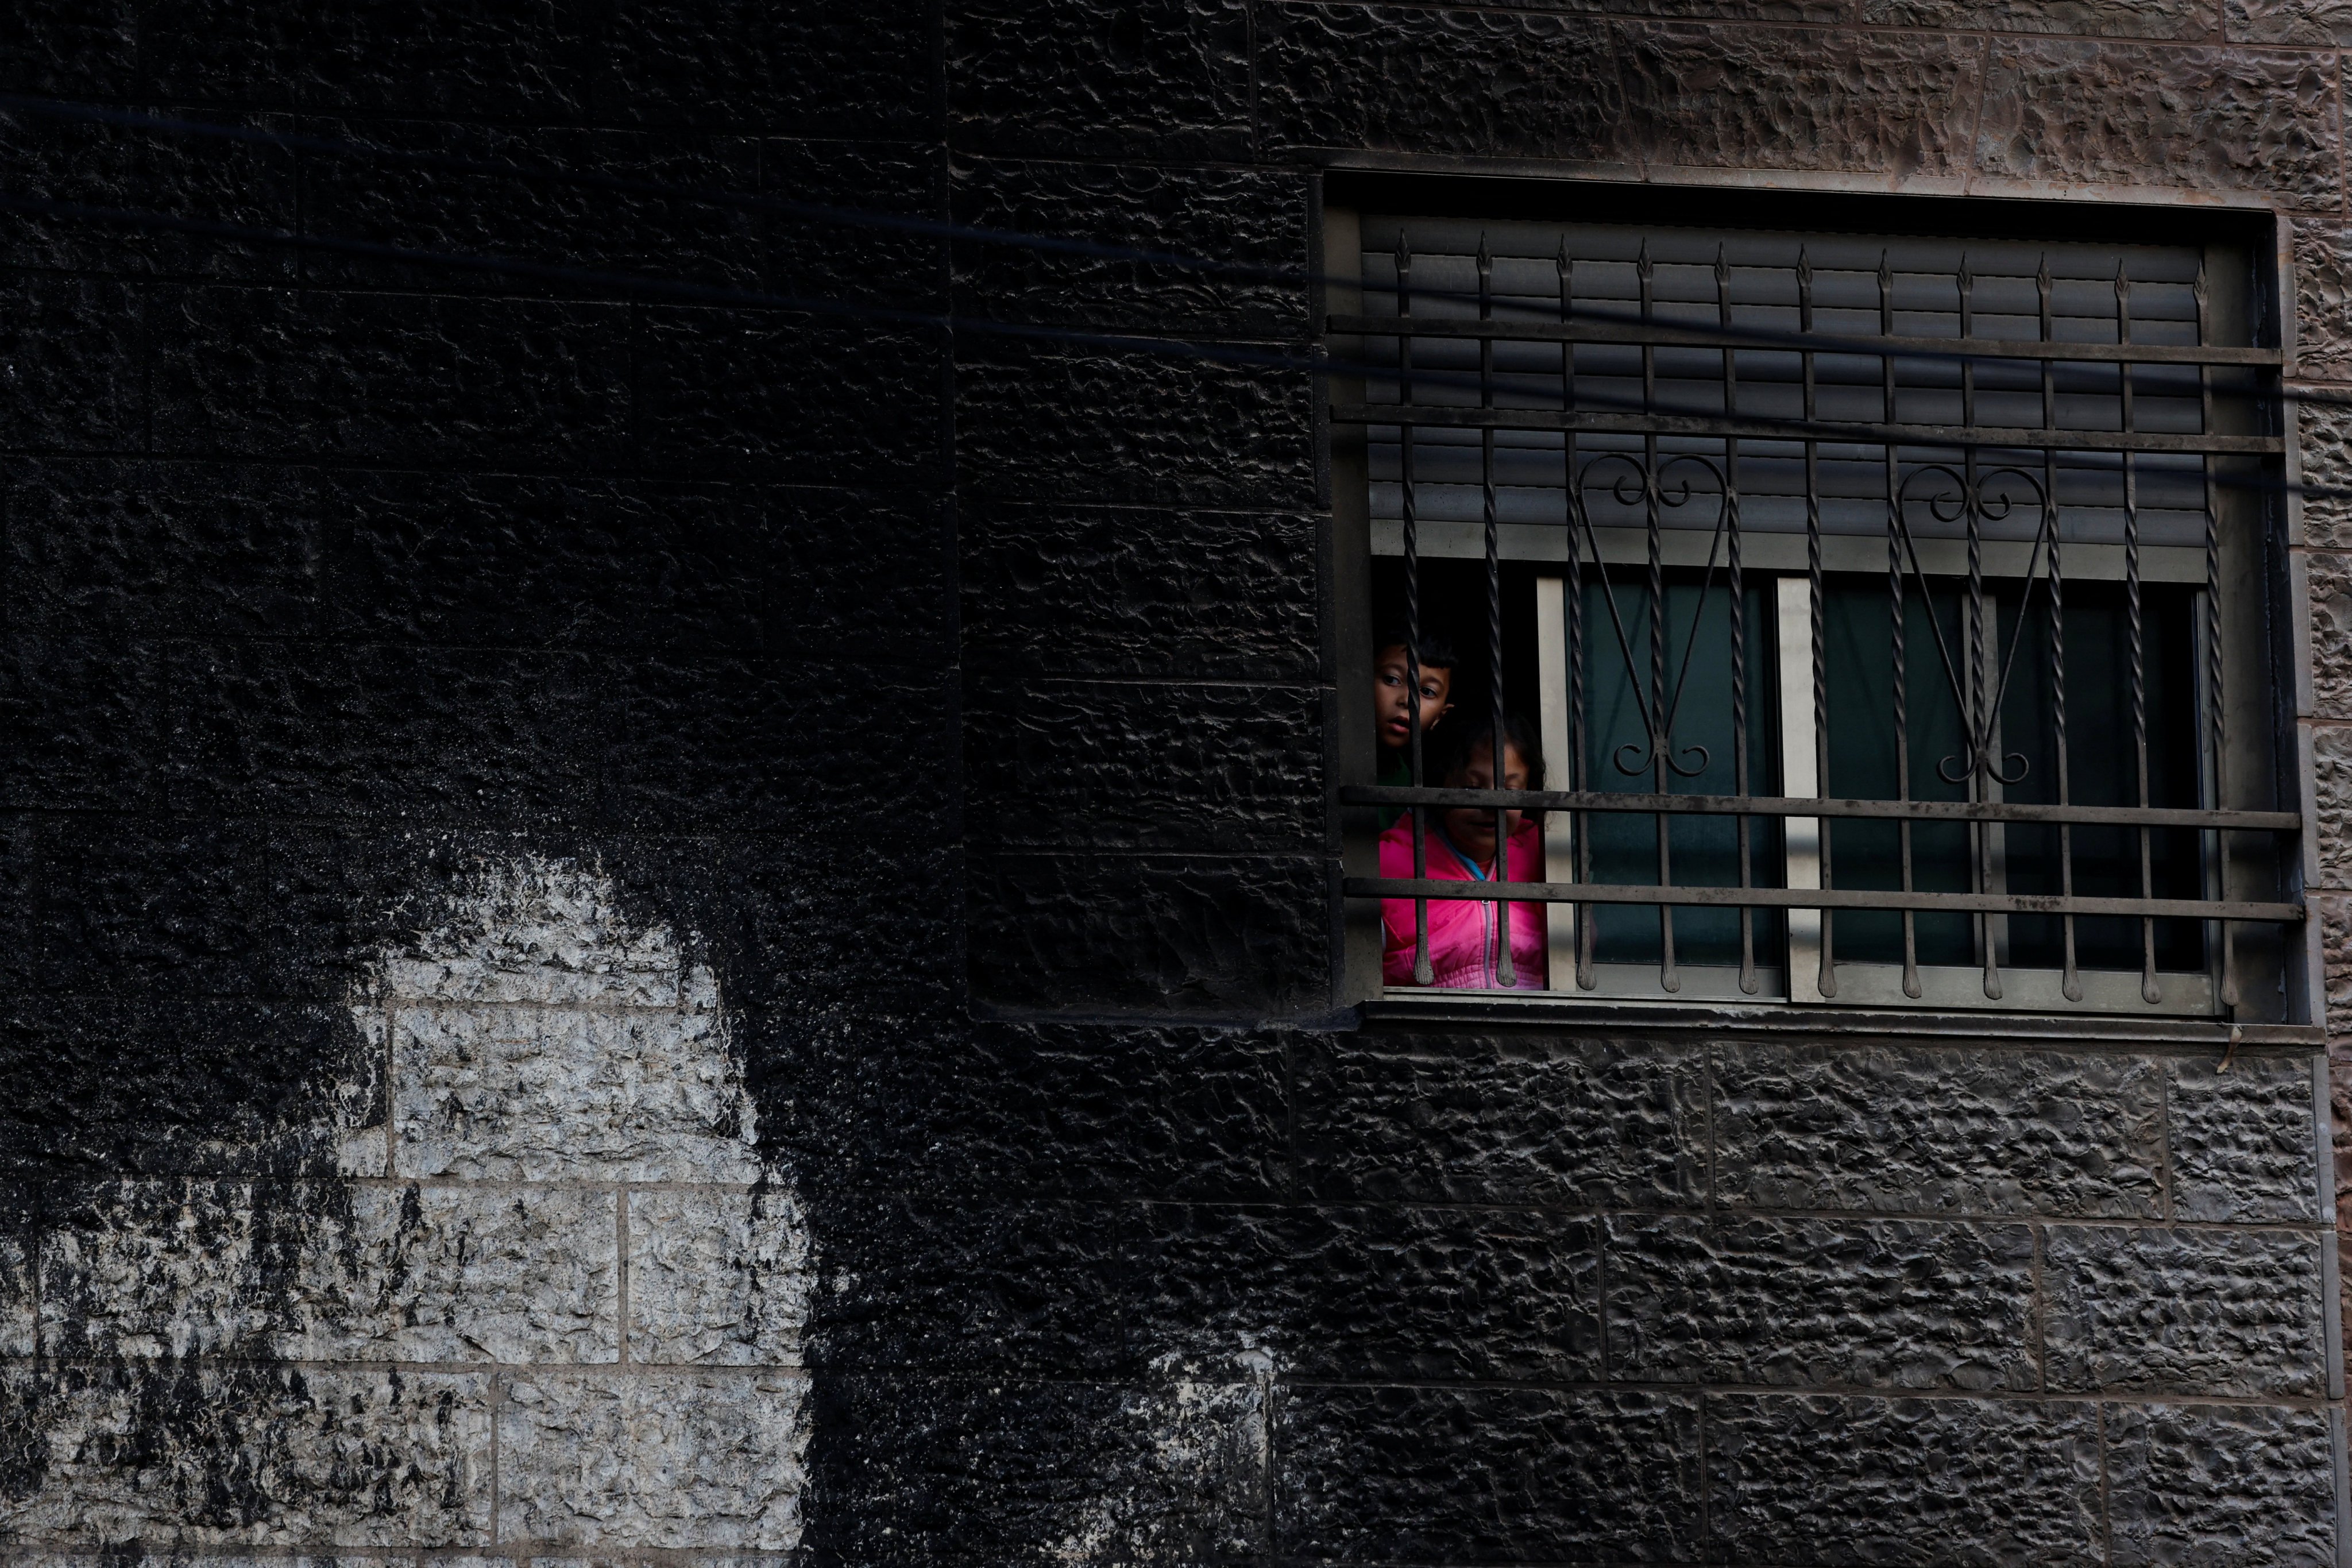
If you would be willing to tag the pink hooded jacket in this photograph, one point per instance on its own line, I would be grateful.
(1462, 948)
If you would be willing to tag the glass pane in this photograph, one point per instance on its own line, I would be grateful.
(1704, 850)
(2103, 768)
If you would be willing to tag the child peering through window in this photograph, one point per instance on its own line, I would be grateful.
(1464, 951)
(1392, 706)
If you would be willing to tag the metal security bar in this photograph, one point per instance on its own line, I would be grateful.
(1914, 568)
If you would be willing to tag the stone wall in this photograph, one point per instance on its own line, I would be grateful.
(643, 932)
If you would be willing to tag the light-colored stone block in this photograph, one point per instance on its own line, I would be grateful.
(322, 1271)
(675, 1459)
(718, 1278)
(256, 1456)
(568, 1094)
(542, 932)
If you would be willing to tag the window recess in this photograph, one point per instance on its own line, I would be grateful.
(1891, 609)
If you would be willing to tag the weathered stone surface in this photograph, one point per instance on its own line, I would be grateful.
(1462, 1119)
(1382, 1475)
(1166, 79)
(1116, 764)
(1870, 1303)
(2214, 1486)
(2244, 1144)
(1098, 1289)
(2323, 350)
(256, 1456)
(80, 707)
(1821, 1478)
(718, 1278)
(72, 376)
(2317, 22)
(2193, 1311)
(541, 1094)
(17, 1325)
(2330, 580)
(2095, 19)
(2334, 912)
(312, 1271)
(2079, 114)
(1499, 83)
(1233, 937)
(2331, 758)
(1937, 1130)
(709, 1459)
(1070, 422)
(1242, 219)
(1169, 1467)
(522, 935)
(1055, 1111)
(1077, 591)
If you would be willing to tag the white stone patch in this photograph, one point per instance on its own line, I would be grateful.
(555, 1299)
(1195, 1489)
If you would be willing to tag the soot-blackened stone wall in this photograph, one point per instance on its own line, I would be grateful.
(668, 931)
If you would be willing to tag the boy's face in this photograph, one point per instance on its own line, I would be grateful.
(1392, 695)
(1473, 827)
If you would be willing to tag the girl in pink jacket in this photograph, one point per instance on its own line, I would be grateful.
(1466, 935)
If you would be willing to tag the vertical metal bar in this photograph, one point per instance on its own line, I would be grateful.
(2148, 990)
(1793, 626)
(1498, 743)
(1979, 719)
(1819, 628)
(1661, 744)
(1585, 915)
(1422, 973)
(1747, 982)
(2071, 980)
(1898, 602)
(2215, 701)
(1559, 835)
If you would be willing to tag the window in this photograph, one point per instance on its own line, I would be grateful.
(1896, 601)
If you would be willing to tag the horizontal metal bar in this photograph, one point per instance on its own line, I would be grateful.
(1424, 415)
(1446, 891)
(1790, 806)
(1584, 330)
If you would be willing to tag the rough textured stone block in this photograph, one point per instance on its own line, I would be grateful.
(1241, 218)
(128, 545)
(2330, 578)
(273, 727)
(2204, 1486)
(1242, 937)
(387, 377)
(255, 1456)
(2111, 114)
(2334, 912)
(708, 1459)
(2331, 753)
(2323, 350)
(543, 1094)
(2244, 1145)
(316, 1272)
(718, 1278)
(805, 69)
(2315, 23)
(72, 346)
(1499, 84)
(1041, 1110)
(811, 258)
(1170, 1467)
(1050, 422)
(1117, 765)
(17, 1326)
(1465, 1118)
(1383, 1474)
(82, 710)
(1096, 1290)
(89, 164)
(1926, 1129)
(68, 49)
(724, 741)
(1882, 1303)
(522, 935)
(1169, 79)
(1818, 1479)
(2096, 18)
(2194, 1311)
(1077, 591)
(786, 397)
